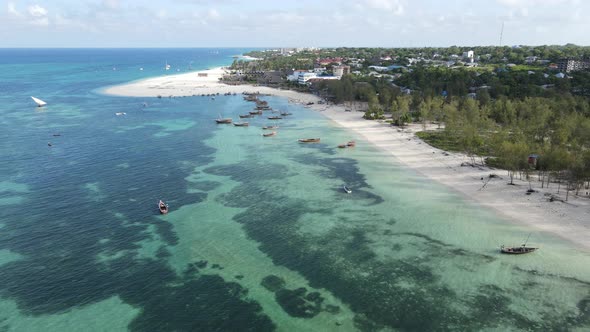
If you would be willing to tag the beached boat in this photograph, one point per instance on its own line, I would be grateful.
(346, 189)
(241, 124)
(270, 134)
(163, 207)
(243, 116)
(270, 127)
(224, 120)
(274, 117)
(40, 103)
(309, 140)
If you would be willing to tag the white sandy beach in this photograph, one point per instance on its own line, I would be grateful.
(569, 220)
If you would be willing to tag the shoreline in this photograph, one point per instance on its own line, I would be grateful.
(567, 220)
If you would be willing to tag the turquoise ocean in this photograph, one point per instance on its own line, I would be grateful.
(260, 235)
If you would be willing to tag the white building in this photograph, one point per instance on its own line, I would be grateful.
(295, 76)
(469, 56)
(306, 76)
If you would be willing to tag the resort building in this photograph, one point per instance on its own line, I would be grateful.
(295, 76)
(302, 78)
(340, 71)
(567, 65)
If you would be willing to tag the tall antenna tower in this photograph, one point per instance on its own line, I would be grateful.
(501, 33)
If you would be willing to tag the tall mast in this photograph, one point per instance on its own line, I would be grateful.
(501, 33)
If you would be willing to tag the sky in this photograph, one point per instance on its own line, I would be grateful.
(291, 23)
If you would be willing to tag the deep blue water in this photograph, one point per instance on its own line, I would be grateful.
(63, 205)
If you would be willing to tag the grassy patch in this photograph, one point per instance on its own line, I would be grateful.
(449, 142)
(441, 140)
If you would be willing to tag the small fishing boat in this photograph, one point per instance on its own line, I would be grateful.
(342, 146)
(286, 113)
(270, 127)
(309, 140)
(163, 207)
(274, 117)
(518, 250)
(120, 113)
(223, 120)
(351, 143)
(243, 116)
(39, 102)
(255, 112)
(241, 124)
(270, 134)
(346, 189)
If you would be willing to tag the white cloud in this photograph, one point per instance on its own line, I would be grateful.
(529, 3)
(110, 4)
(43, 21)
(394, 6)
(37, 11)
(213, 14)
(12, 10)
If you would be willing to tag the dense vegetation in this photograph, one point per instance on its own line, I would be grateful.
(504, 110)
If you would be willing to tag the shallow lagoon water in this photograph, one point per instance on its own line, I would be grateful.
(260, 235)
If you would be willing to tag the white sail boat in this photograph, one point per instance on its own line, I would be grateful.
(167, 65)
(40, 103)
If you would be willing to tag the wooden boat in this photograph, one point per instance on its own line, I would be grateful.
(224, 120)
(517, 250)
(351, 143)
(255, 112)
(39, 102)
(286, 113)
(270, 134)
(342, 146)
(274, 117)
(346, 189)
(163, 207)
(241, 124)
(242, 116)
(263, 108)
(270, 127)
(309, 140)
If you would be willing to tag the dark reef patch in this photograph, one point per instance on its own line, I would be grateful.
(273, 283)
(204, 304)
(299, 303)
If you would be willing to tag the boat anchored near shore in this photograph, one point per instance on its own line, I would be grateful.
(309, 140)
(518, 250)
